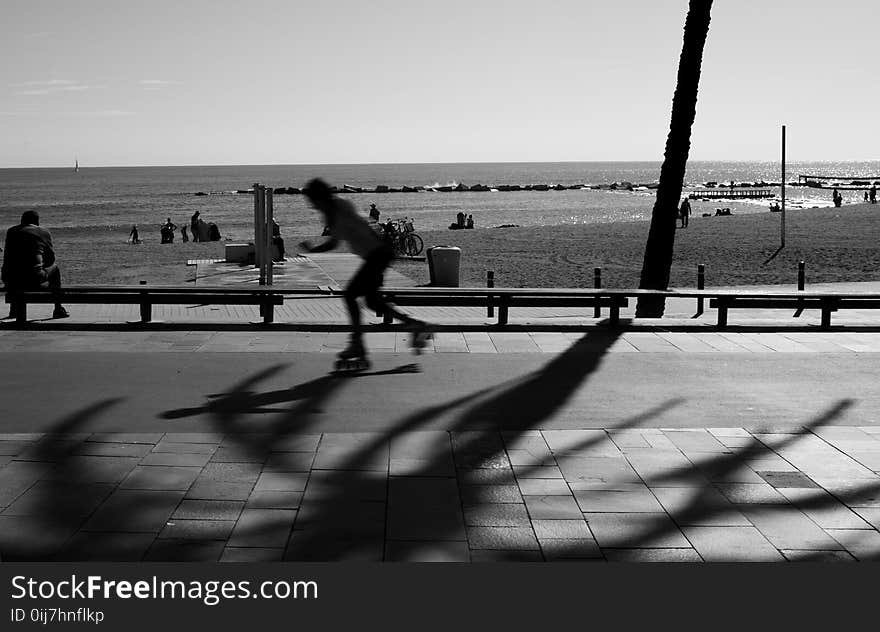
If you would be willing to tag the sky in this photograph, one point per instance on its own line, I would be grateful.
(187, 82)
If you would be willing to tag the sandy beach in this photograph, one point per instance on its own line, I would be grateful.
(837, 244)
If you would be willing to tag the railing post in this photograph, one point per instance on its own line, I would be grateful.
(597, 284)
(801, 267)
(701, 285)
(490, 282)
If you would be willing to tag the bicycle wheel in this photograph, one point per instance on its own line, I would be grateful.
(412, 245)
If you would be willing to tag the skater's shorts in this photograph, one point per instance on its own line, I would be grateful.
(369, 278)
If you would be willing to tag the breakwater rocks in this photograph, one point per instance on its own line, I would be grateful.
(458, 188)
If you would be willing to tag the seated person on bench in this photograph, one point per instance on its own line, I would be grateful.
(29, 260)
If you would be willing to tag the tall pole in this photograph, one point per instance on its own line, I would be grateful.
(782, 244)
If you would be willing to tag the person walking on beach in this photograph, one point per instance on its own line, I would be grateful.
(29, 260)
(836, 197)
(684, 213)
(872, 194)
(183, 234)
(133, 237)
(345, 224)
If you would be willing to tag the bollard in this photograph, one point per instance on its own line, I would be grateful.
(701, 285)
(597, 284)
(801, 266)
(490, 282)
(146, 308)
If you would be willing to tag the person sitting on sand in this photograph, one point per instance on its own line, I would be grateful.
(29, 260)
(374, 213)
(470, 221)
(194, 226)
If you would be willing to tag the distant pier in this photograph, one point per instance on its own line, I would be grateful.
(732, 193)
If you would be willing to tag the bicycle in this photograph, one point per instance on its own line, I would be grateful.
(401, 236)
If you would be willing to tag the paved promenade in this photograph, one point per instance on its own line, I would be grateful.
(555, 440)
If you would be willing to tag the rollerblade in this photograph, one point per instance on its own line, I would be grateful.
(352, 358)
(419, 337)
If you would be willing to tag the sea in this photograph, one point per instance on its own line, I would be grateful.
(115, 198)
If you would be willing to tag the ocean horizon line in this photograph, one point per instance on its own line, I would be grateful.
(466, 162)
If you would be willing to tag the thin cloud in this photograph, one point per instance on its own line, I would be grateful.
(50, 86)
(156, 84)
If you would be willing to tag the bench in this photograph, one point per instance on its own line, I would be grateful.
(825, 302)
(505, 298)
(147, 296)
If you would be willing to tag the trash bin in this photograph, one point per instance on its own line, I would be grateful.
(444, 263)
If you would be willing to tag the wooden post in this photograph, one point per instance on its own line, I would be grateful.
(146, 307)
(490, 282)
(256, 222)
(701, 285)
(268, 243)
(597, 284)
(259, 236)
(801, 275)
(782, 239)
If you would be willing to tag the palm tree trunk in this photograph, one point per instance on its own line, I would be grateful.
(661, 236)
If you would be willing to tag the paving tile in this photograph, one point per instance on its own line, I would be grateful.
(509, 555)
(208, 510)
(197, 529)
(424, 509)
(496, 515)
(486, 477)
(561, 529)
(818, 556)
(479, 494)
(251, 554)
(58, 502)
(184, 551)
(439, 551)
(343, 521)
(501, 538)
(210, 489)
(543, 487)
(581, 443)
(652, 555)
(225, 454)
(274, 500)
(732, 544)
(695, 440)
(348, 486)
(570, 549)
(824, 509)
(264, 528)
(180, 460)
(700, 506)
(304, 548)
(528, 472)
(598, 469)
(296, 443)
(113, 449)
(193, 437)
(788, 480)
(134, 511)
(32, 538)
(289, 462)
(106, 547)
(788, 528)
(750, 493)
(635, 531)
(871, 515)
(863, 544)
(443, 467)
(635, 501)
(94, 469)
(185, 448)
(552, 507)
(161, 477)
(232, 472)
(281, 482)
